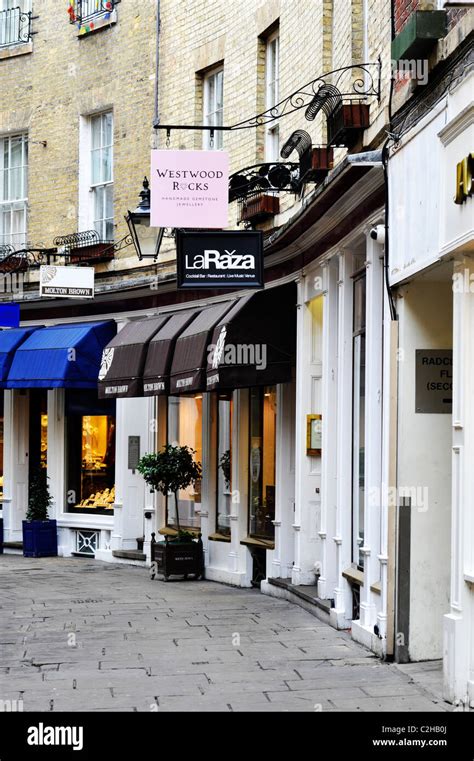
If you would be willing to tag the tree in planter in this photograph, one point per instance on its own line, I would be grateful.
(169, 470)
(39, 498)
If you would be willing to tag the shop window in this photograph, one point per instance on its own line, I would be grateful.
(90, 440)
(185, 428)
(214, 108)
(262, 464)
(13, 190)
(224, 465)
(1, 443)
(38, 430)
(358, 416)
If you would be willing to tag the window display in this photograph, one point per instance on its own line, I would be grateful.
(38, 430)
(185, 428)
(262, 462)
(224, 465)
(91, 461)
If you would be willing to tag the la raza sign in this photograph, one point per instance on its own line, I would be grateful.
(228, 259)
(189, 189)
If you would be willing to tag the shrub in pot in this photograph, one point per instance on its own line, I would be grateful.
(168, 471)
(40, 538)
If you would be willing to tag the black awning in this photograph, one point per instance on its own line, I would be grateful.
(254, 344)
(156, 375)
(188, 371)
(123, 359)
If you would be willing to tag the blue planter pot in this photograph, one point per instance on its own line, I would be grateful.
(40, 539)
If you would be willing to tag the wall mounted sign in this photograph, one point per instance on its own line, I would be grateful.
(464, 179)
(314, 435)
(434, 381)
(9, 315)
(189, 189)
(230, 259)
(68, 282)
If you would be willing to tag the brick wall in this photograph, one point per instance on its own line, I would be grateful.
(47, 91)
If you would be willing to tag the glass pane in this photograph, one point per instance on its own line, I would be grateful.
(16, 151)
(185, 428)
(106, 165)
(16, 184)
(109, 229)
(224, 465)
(96, 123)
(219, 90)
(99, 194)
(358, 451)
(359, 303)
(108, 129)
(262, 462)
(96, 166)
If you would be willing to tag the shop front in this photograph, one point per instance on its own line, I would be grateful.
(214, 374)
(54, 420)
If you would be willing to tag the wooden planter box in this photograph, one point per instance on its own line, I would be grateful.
(347, 122)
(316, 163)
(260, 207)
(177, 558)
(98, 252)
(40, 539)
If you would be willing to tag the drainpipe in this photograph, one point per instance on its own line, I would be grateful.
(156, 114)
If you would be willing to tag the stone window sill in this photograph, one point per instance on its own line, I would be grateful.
(22, 48)
(219, 537)
(249, 541)
(354, 576)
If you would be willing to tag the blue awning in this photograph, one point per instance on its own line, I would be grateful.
(10, 340)
(63, 356)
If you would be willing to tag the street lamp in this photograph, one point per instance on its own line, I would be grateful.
(146, 239)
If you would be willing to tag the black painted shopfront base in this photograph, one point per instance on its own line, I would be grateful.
(177, 558)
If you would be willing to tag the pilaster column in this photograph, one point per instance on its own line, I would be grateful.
(15, 462)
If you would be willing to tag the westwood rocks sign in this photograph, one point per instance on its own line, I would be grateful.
(189, 189)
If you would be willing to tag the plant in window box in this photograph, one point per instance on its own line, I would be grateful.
(40, 537)
(168, 471)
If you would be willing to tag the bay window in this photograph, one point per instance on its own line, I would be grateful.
(90, 446)
(224, 465)
(262, 464)
(185, 429)
(358, 415)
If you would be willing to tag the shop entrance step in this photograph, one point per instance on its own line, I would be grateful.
(129, 555)
(13, 548)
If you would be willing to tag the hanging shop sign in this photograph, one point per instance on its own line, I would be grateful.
(227, 259)
(434, 381)
(68, 282)
(9, 315)
(189, 189)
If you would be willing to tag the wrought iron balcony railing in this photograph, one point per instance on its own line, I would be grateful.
(15, 27)
(84, 11)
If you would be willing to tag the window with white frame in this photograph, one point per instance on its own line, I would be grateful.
(15, 22)
(102, 181)
(13, 190)
(213, 103)
(272, 77)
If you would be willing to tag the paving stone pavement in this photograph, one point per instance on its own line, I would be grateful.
(81, 635)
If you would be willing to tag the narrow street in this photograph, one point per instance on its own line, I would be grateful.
(81, 635)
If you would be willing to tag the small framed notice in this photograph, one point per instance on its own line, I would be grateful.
(313, 435)
(133, 452)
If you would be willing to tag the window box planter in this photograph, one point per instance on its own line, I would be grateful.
(40, 539)
(98, 252)
(316, 163)
(347, 122)
(259, 207)
(419, 35)
(177, 558)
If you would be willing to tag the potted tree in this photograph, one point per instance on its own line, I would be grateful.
(167, 471)
(40, 537)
